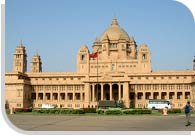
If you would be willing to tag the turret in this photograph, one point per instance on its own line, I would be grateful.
(20, 59)
(144, 58)
(36, 64)
(83, 59)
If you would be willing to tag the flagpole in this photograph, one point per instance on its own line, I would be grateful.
(97, 77)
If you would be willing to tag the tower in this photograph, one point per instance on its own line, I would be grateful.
(144, 58)
(36, 64)
(20, 59)
(83, 59)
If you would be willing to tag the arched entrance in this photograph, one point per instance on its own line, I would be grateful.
(106, 92)
(97, 92)
(115, 90)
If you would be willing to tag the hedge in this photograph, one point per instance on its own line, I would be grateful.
(59, 111)
(113, 112)
(89, 110)
(99, 111)
(137, 111)
(110, 111)
(175, 111)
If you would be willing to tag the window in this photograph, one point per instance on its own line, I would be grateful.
(18, 105)
(113, 67)
(82, 57)
(139, 96)
(144, 57)
(19, 92)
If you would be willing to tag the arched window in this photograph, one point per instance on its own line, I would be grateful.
(143, 56)
(82, 57)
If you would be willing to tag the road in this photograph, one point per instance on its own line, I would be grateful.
(101, 123)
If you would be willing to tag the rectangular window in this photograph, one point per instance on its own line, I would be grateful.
(113, 67)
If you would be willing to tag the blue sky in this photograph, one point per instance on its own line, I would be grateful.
(57, 29)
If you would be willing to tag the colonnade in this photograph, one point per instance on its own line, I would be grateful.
(107, 91)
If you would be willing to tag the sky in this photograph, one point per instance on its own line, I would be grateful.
(56, 29)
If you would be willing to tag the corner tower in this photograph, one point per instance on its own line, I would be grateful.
(36, 64)
(20, 59)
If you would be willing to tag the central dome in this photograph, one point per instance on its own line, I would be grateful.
(114, 32)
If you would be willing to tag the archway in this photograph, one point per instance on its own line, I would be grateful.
(97, 92)
(115, 94)
(106, 92)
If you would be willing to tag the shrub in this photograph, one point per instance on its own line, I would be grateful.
(78, 111)
(100, 111)
(127, 111)
(137, 111)
(89, 110)
(174, 111)
(113, 112)
(160, 110)
(52, 111)
(66, 111)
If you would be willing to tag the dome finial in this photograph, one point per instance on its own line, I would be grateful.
(114, 21)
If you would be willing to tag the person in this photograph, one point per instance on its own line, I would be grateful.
(187, 109)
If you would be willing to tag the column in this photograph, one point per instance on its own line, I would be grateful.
(167, 97)
(183, 98)
(126, 94)
(59, 96)
(152, 95)
(110, 91)
(160, 94)
(102, 92)
(119, 91)
(43, 96)
(51, 97)
(37, 95)
(66, 97)
(81, 96)
(136, 100)
(87, 90)
(73, 96)
(144, 96)
(144, 99)
(92, 93)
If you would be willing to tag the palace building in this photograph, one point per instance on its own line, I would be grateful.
(116, 69)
